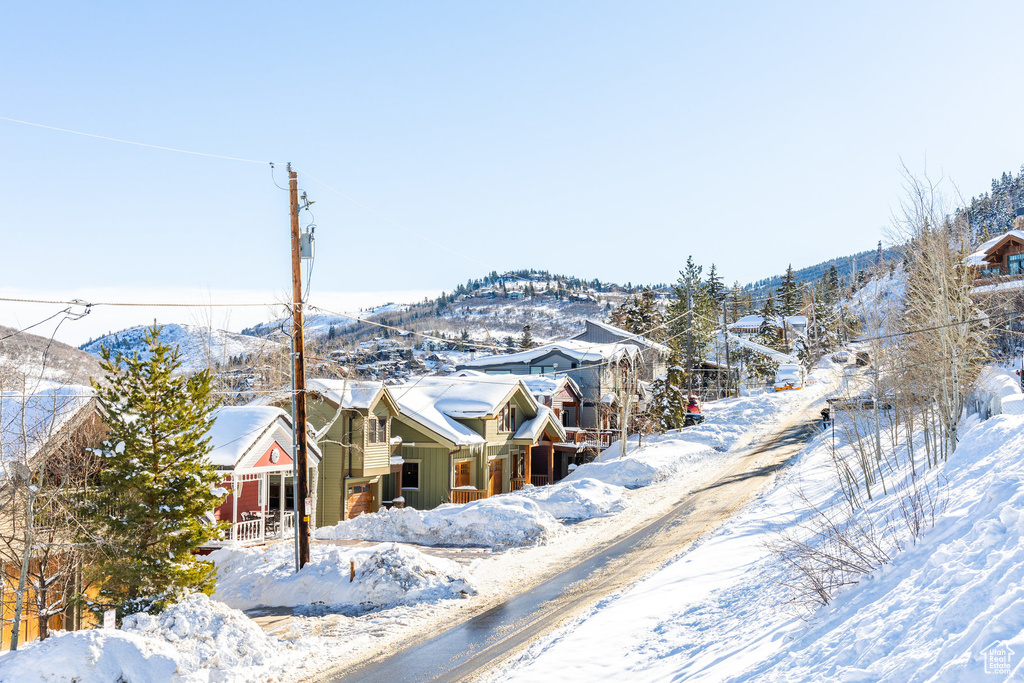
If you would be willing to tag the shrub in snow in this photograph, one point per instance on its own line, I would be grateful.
(386, 575)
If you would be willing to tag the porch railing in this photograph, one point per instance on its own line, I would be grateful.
(516, 484)
(460, 496)
(247, 532)
(539, 479)
(593, 438)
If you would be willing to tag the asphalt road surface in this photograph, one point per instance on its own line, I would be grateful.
(464, 651)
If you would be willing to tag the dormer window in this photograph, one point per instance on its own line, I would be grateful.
(376, 430)
(507, 418)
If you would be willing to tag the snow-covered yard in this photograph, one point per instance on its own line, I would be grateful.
(945, 608)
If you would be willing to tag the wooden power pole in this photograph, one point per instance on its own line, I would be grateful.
(301, 468)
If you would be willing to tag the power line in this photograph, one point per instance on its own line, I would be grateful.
(132, 142)
(26, 329)
(152, 304)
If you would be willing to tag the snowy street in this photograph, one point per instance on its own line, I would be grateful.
(605, 555)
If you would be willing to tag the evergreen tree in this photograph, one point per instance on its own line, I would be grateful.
(715, 287)
(639, 314)
(156, 485)
(789, 294)
(526, 341)
(668, 403)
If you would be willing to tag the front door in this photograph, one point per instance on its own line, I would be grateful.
(494, 481)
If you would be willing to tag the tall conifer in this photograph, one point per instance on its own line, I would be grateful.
(157, 484)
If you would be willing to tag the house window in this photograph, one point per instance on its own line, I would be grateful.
(376, 430)
(541, 369)
(462, 474)
(1015, 264)
(507, 418)
(411, 475)
(498, 372)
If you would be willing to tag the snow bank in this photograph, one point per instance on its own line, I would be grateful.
(497, 522)
(575, 500)
(679, 451)
(386, 575)
(196, 640)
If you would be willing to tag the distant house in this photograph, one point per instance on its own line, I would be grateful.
(605, 374)
(654, 355)
(750, 325)
(1002, 257)
(252, 446)
(466, 438)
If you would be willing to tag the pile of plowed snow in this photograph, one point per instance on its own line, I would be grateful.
(526, 517)
(385, 575)
(196, 640)
(497, 522)
(575, 500)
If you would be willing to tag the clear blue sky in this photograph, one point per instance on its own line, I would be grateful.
(601, 139)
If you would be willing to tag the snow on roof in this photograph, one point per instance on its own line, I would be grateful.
(236, 429)
(580, 351)
(28, 419)
(533, 428)
(748, 321)
(547, 385)
(762, 350)
(978, 257)
(358, 395)
(625, 334)
(437, 402)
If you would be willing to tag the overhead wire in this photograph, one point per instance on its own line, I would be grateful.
(133, 142)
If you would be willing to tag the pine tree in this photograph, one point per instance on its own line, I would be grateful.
(668, 402)
(715, 287)
(639, 314)
(156, 479)
(789, 295)
(526, 341)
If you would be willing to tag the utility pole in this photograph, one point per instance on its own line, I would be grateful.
(728, 365)
(300, 468)
(689, 337)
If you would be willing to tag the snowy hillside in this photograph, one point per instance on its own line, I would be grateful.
(27, 356)
(946, 606)
(200, 347)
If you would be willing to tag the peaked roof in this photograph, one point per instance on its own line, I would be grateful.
(979, 258)
(539, 385)
(437, 403)
(625, 335)
(29, 420)
(352, 394)
(580, 351)
(532, 429)
(237, 429)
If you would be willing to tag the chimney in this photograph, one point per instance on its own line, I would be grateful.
(1018, 219)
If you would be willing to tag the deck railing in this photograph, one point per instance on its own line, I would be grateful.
(460, 496)
(539, 479)
(516, 484)
(247, 532)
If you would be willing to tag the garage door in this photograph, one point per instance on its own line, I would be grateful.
(360, 500)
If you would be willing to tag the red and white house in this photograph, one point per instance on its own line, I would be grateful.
(252, 445)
